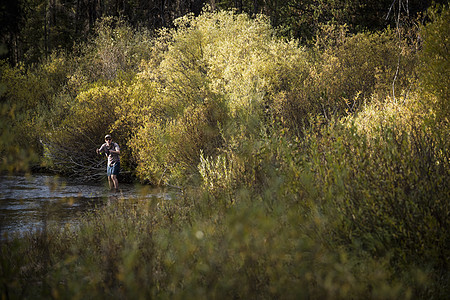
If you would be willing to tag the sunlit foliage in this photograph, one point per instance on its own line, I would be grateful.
(435, 64)
(24, 98)
(70, 148)
(93, 98)
(303, 172)
(213, 69)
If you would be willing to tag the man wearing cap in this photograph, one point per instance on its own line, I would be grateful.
(112, 151)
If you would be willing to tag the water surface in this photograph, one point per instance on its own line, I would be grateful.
(28, 203)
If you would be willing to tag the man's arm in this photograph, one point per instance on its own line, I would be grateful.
(101, 150)
(116, 149)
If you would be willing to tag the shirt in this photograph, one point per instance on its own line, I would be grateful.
(113, 158)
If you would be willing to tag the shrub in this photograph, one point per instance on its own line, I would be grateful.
(373, 183)
(169, 151)
(115, 48)
(434, 67)
(355, 67)
(172, 249)
(70, 147)
(25, 98)
(386, 187)
(217, 68)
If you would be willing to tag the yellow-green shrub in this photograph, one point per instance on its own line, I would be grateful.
(170, 150)
(70, 147)
(349, 71)
(434, 68)
(374, 183)
(234, 64)
(25, 98)
(402, 113)
(113, 50)
(149, 248)
(385, 180)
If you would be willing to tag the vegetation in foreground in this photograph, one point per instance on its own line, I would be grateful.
(307, 172)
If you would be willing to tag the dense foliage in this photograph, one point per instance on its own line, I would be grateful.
(305, 171)
(33, 29)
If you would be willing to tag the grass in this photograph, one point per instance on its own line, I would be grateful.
(187, 248)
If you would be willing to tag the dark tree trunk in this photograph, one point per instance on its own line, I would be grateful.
(92, 12)
(255, 7)
(46, 29)
(238, 5)
(163, 12)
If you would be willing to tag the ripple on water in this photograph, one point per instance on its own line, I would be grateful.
(27, 202)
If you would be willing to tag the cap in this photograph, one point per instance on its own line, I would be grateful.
(108, 136)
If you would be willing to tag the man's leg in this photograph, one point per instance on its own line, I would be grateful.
(110, 182)
(115, 181)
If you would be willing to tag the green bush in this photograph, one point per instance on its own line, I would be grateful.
(70, 147)
(168, 153)
(374, 183)
(205, 81)
(384, 188)
(353, 68)
(156, 249)
(237, 86)
(114, 49)
(434, 67)
(25, 98)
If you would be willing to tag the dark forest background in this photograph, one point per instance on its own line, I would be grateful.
(32, 29)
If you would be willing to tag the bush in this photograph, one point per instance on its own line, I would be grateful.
(114, 49)
(207, 80)
(25, 98)
(70, 147)
(167, 152)
(434, 67)
(373, 183)
(156, 249)
(353, 68)
(385, 188)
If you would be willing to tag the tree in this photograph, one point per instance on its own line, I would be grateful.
(11, 14)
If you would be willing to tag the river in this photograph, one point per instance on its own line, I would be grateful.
(27, 203)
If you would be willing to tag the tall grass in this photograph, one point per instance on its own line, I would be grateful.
(354, 209)
(152, 251)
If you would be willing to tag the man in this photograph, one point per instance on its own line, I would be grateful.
(112, 151)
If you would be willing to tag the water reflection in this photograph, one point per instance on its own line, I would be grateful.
(27, 202)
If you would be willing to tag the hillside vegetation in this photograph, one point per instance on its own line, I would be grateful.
(316, 170)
